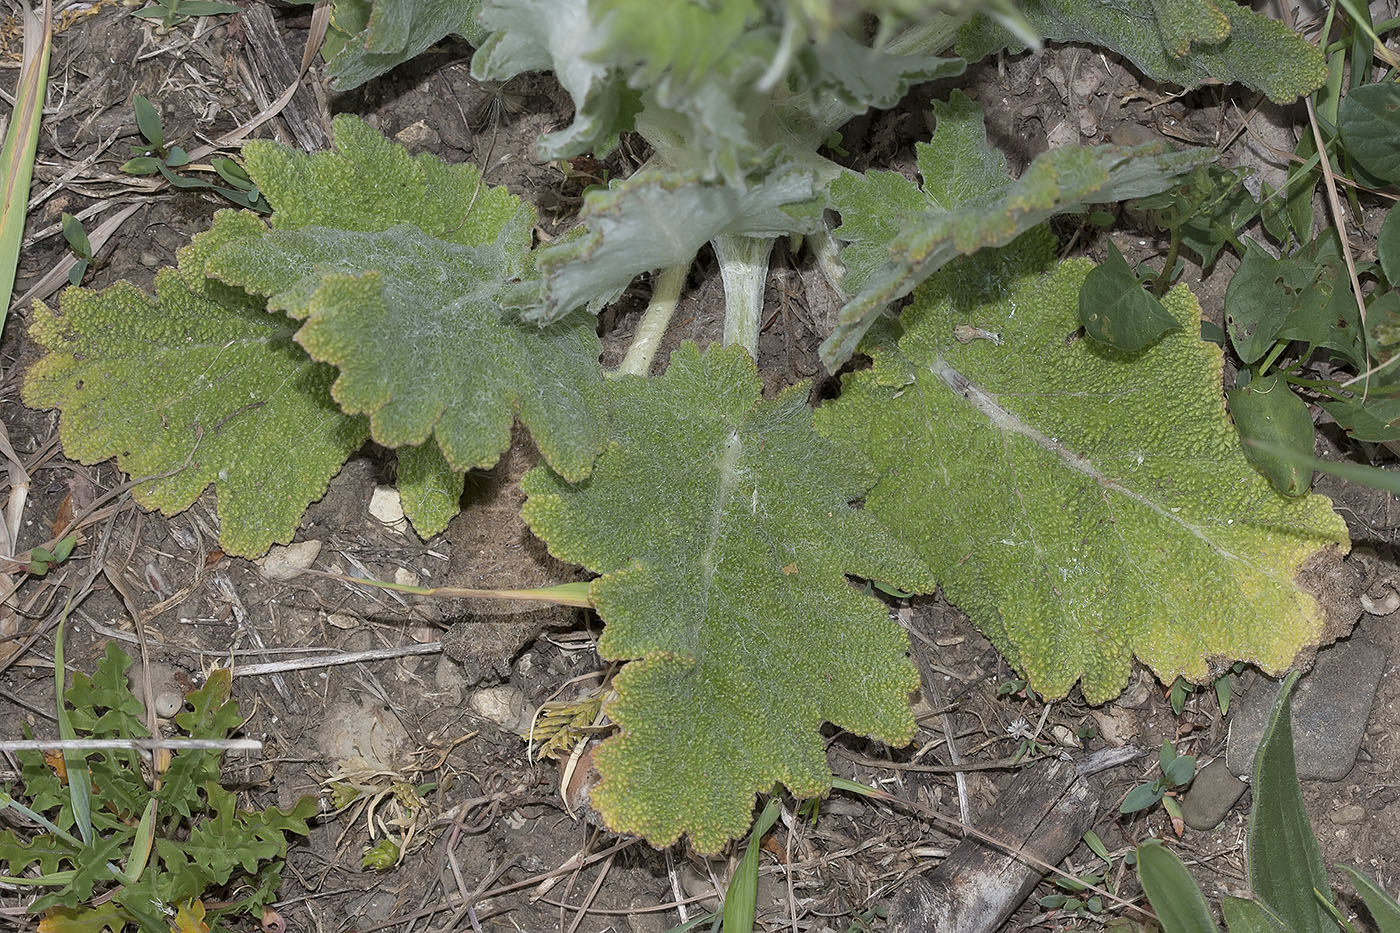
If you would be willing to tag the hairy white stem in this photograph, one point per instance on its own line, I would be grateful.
(664, 294)
(743, 264)
(823, 246)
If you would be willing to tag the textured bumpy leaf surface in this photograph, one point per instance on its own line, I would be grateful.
(396, 265)
(722, 527)
(899, 234)
(1186, 42)
(196, 385)
(1083, 505)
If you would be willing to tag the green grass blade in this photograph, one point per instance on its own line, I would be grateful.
(1172, 892)
(1285, 864)
(79, 780)
(21, 140)
(1385, 912)
(740, 901)
(1375, 477)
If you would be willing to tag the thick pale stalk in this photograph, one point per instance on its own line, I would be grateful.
(21, 139)
(743, 264)
(665, 293)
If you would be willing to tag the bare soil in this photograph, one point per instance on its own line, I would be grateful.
(495, 831)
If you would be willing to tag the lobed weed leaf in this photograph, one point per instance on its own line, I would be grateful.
(724, 588)
(1084, 505)
(396, 265)
(197, 385)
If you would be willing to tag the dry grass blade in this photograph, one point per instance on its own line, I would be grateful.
(20, 141)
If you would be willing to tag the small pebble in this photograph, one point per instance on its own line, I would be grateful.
(1382, 605)
(169, 699)
(405, 577)
(386, 506)
(287, 563)
(504, 705)
(1351, 813)
(150, 260)
(418, 136)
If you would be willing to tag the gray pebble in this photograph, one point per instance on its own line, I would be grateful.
(1330, 710)
(1211, 796)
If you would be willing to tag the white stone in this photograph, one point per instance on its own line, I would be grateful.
(503, 705)
(386, 506)
(405, 577)
(287, 563)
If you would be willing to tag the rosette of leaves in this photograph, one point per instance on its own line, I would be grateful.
(1186, 42)
(147, 858)
(723, 530)
(734, 98)
(1085, 506)
(898, 233)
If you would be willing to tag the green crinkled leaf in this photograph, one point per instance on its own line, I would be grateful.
(721, 524)
(1186, 42)
(396, 265)
(967, 203)
(657, 219)
(1084, 506)
(429, 488)
(199, 383)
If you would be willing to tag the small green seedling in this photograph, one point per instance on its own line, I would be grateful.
(174, 12)
(1182, 690)
(155, 156)
(1017, 687)
(42, 560)
(865, 921)
(1177, 772)
(114, 845)
(1071, 900)
(77, 239)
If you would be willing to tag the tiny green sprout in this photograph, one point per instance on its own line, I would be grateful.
(890, 590)
(1176, 772)
(381, 856)
(77, 239)
(42, 560)
(155, 157)
(174, 12)
(1181, 690)
(864, 922)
